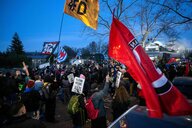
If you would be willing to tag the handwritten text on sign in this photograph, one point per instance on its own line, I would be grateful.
(78, 85)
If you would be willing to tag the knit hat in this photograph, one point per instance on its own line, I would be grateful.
(30, 83)
(94, 87)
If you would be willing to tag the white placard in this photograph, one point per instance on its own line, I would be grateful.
(118, 78)
(71, 78)
(78, 85)
(41, 66)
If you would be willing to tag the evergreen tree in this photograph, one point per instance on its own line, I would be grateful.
(14, 55)
(16, 45)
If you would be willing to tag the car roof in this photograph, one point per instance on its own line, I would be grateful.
(137, 117)
(182, 81)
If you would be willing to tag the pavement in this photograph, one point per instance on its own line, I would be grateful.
(63, 119)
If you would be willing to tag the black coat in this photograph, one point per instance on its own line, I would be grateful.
(24, 122)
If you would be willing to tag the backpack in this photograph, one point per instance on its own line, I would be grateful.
(73, 105)
(44, 92)
(92, 113)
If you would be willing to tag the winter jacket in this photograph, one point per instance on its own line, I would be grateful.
(98, 101)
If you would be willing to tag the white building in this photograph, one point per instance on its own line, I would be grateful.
(155, 47)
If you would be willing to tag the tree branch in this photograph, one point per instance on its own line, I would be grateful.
(106, 23)
(175, 11)
(123, 10)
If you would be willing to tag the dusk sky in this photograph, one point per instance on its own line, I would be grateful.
(38, 21)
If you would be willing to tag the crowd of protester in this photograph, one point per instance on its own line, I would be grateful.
(28, 101)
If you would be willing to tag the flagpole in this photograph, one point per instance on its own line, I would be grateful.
(61, 25)
(60, 31)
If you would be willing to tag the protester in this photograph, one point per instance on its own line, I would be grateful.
(18, 118)
(97, 99)
(140, 96)
(66, 90)
(32, 102)
(30, 86)
(80, 116)
(50, 99)
(38, 83)
(120, 101)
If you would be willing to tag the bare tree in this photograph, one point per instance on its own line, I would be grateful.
(178, 17)
(92, 47)
(153, 20)
(179, 8)
(105, 16)
(145, 18)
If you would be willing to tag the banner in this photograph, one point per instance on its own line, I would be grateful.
(44, 65)
(159, 93)
(49, 47)
(84, 10)
(62, 55)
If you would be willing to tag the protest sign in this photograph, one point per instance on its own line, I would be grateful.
(70, 78)
(41, 66)
(118, 78)
(78, 85)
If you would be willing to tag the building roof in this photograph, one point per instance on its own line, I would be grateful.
(36, 55)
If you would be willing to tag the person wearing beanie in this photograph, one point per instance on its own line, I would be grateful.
(30, 86)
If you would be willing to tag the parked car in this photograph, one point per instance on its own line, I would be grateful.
(184, 84)
(137, 117)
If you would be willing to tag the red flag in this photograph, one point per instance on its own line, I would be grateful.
(187, 69)
(119, 49)
(159, 93)
(172, 60)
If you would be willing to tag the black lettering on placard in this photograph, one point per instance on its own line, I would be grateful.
(78, 83)
(82, 5)
(78, 89)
